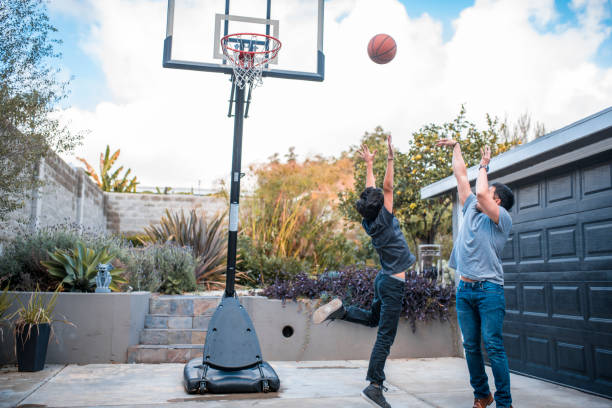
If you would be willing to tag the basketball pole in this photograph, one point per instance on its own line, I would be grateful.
(232, 240)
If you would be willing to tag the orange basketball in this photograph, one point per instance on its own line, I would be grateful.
(381, 48)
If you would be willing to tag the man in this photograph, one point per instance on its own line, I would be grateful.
(476, 257)
(376, 208)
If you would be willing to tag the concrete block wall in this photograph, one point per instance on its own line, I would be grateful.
(104, 326)
(68, 195)
(128, 213)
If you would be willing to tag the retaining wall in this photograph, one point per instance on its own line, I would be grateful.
(105, 325)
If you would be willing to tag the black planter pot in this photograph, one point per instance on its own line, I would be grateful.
(32, 342)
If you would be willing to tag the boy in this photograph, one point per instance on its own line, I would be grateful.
(376, 208)
(476, 257)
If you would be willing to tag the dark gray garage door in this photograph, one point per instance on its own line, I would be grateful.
(558, 276)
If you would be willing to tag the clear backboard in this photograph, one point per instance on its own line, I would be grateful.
(195, 27)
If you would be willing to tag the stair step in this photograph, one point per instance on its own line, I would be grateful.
(155, 354)
(182, 305)
(165, 321)
(172, 336)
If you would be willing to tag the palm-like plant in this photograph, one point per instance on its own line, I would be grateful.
(76, 268)
(207, 240)
(108, 181)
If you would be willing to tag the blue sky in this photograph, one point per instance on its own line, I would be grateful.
(89, 86)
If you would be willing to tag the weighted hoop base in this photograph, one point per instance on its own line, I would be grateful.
(200, 378)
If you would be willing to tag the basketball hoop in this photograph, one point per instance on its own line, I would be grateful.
(248, 53)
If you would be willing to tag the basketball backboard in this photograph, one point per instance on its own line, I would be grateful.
(195, 27)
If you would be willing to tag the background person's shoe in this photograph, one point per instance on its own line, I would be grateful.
(374, 396)
(330, 311)
(483, 402)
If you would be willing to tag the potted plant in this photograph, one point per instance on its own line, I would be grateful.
(32, 327)
(5, 303)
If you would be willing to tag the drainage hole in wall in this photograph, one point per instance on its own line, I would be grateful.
(287, 331)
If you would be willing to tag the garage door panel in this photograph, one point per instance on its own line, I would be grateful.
(573, 305)
(597, 180)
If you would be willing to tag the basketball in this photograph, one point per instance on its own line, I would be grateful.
(381, 48)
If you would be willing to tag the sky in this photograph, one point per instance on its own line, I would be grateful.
(551, 58)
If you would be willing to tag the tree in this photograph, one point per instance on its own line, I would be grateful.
(30, 92)
(423, 164)
(522, 131)
(107, 180)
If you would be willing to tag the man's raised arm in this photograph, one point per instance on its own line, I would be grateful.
(463, 184)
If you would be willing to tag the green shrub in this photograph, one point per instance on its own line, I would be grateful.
(261, 265)
(77, 268)
(20, 262)
(206, 239)
(165, 268)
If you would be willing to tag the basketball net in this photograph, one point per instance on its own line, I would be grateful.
(248, 64)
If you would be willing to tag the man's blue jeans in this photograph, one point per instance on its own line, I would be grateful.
(385, 313)
(480, 310)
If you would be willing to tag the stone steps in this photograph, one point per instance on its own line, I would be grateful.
(172, 336)
(174, 330)
(164, 353)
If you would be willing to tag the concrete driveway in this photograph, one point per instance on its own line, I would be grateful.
(438, 382)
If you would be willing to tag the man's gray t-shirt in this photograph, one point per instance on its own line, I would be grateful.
(477, 250)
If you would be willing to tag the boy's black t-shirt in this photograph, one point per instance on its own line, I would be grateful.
(389, 242)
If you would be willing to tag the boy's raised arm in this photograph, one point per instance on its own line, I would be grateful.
(368, 157)
(388, 183)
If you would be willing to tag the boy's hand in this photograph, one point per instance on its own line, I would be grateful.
(486, 156)
(390, 149)
(446, 142)
(365, 154)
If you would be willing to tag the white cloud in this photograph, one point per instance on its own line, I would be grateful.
(172, 127)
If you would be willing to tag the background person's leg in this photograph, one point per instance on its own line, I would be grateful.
(492, 311)
(391, 294)
(469, 322)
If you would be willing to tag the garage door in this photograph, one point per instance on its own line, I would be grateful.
(558, 276)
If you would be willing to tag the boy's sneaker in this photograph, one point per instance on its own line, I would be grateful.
(374, 396)
(330, 311)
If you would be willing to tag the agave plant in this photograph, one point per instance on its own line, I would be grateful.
(76, 268)
(108, 181)
(207, 240)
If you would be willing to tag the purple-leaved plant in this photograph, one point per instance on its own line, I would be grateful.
(425, 299)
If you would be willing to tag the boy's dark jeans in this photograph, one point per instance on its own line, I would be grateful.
(384, 313)
(480, 310)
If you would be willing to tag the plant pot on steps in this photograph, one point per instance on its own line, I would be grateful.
(31, 342)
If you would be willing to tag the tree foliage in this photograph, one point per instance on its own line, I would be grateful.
(422, 165)
(111, 180)
(30, 92)
(290, 223)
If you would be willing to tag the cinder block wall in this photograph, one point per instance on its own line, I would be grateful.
(68, 195)
(128, 213)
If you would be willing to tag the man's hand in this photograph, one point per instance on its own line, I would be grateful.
(446, 142)
(389, 149)
(365, 154)
(486, 156)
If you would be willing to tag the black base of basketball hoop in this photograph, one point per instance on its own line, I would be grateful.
(200, 378)
(232, 361)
